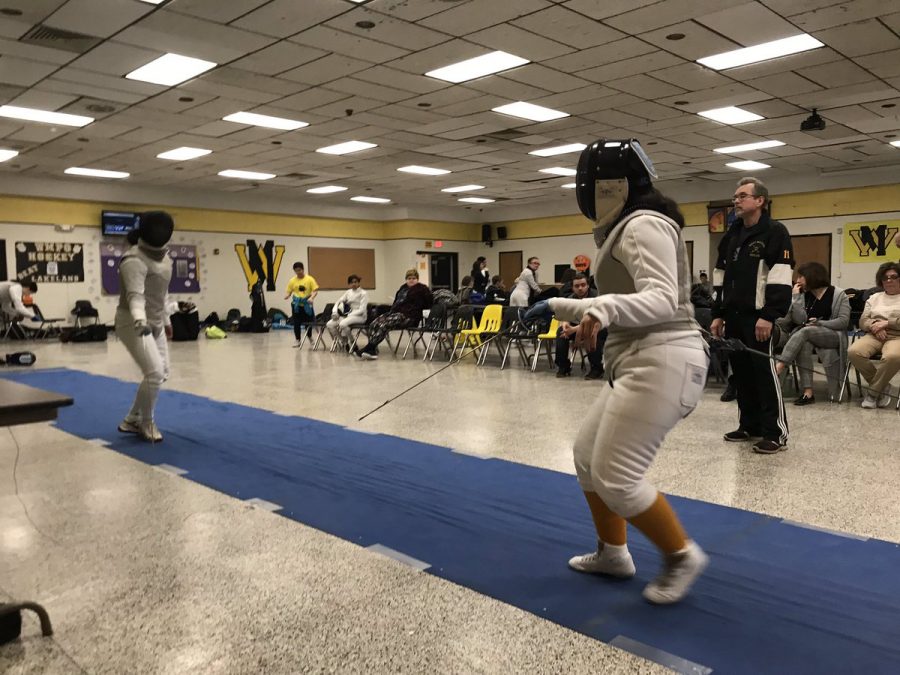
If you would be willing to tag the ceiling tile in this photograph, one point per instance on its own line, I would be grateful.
(783, 84)
(599, 56)
(100, 18)
(884, 64)
(690, 76)
(333, 40)
(603, 10)
(839, 14)
(388, 29)
(667, 13)
(633, 66)
(837, 74)
(733, 21)
(22, 72)
(568, 27)
(278, 58)
(520, 42)
(644, 86)
(474, 15)
(214, 10)
(862, 37)
(545, 78)
(326, 69)
(698, 41)
(281, 18)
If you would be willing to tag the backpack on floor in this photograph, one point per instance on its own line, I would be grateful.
(185, 326)
(94, 333)
(19, 359)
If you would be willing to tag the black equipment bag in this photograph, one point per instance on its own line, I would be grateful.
(93, 333)
(19, 359)
(185, 326)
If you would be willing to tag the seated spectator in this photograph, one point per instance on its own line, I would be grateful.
(496, 293)
(701, 292)
(465, 291)
(580, 290)
(409, 302)
(351, 310)
(881, 322)
(819, 317)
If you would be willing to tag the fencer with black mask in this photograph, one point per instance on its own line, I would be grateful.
(655, 362)
(142, 317)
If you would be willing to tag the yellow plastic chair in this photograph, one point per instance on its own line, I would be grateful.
(545, 339)
(489, 324)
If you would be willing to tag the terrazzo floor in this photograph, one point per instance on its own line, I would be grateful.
(144, 572)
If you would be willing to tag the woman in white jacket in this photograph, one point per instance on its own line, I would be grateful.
(349, 311)
(526, 284)
(655, 360)
(142, 317)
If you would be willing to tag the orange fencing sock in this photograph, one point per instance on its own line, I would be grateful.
(611, 527)
(661, 526)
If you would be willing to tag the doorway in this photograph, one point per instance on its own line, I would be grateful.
(812, 248)
(510, 267)
(443, 270)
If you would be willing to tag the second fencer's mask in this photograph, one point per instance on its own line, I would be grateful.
(156, 228)
(607, 171)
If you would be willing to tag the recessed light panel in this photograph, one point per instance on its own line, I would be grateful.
(730, 115)
(736, 149)
(253, 119)
(476, 200)
(529, 111)
(45, 116)
(7, 155)
(326, 189)
(748, 165)
(246, 175)
(559, 171)
(761, 52)
(95, 173)
(559, 150)
(370, 200)
(896, 144)
(569, 186)
(463, 188)
(480, 66)
(184, 153)
(171, 69)
(346, 148)
(423, 170)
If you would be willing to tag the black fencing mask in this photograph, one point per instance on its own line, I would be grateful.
(156, 228)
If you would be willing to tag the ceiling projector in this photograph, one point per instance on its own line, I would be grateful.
(813, 122)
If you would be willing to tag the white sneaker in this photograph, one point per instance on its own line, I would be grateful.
(369, 356)
(297, 343)
(885, 399)
(614, 561)
(150, 432)
(869, 402)
(130, 426)
(680, 571)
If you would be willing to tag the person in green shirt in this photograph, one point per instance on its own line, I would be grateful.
(302, 290)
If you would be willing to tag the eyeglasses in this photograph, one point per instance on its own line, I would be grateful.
(890, 277)
(741, 196)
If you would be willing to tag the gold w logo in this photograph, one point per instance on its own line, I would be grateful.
(873, 239)
(260, 263)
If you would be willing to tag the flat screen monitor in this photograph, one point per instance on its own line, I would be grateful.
(119, 223)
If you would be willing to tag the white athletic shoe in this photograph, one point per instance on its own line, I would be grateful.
(130, 426)
(869, 402)
(297, 343)
(885, 399)
(680, 571)
(369, 356)
(613, 561)
(150, 432)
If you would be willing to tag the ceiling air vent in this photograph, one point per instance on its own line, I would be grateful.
(298, 176)
(54, 38)
(507, 135)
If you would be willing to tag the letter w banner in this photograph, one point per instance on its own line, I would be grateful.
(260, 263)
(871, 242)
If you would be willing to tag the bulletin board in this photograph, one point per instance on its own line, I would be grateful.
(330, 267)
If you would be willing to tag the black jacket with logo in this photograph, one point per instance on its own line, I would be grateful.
(753, 271)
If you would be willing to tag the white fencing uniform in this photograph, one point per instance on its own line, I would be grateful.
(144, 276)
(525, 284)
(357, 301)
(654, 357)
(11, 301)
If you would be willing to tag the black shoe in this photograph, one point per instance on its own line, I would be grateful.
(563, 373)
(729, 394)
(594, 374)
(738, 436)
(766, 447)
(805, 400)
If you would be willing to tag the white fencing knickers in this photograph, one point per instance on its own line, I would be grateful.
(151, 353)
(653, 388)
(344, 324)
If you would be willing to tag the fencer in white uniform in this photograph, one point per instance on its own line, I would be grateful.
(351, 310)
(526, 284)
(142, 317)
(655, 360)
(11, 294)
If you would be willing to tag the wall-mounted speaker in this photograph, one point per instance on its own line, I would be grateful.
(486, 235)
(501, 232)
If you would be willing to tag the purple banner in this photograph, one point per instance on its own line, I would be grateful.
(184, 267)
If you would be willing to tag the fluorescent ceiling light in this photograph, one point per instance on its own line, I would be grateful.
(183, 153)
(423, 170)
(896, 144)
(748, 165)
(7, 154)
(95, 173)
(730, 115)
(171, 69)
(476, 200)
(370, 200)
(464, 188)
(530, 111)
(249, 175)
(153, 2)
(569, 186)
(346, 148)
(486, 64)
(560, 171)
(35, 115)
(559, 150)
(735, 149)
(761, 52)
(326, 189)
(267, 121)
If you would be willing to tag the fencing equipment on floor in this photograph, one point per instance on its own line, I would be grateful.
(142, 315)
(355, 302)
(526, 284)
(11, 301)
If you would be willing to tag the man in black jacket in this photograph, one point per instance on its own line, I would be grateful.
(753, 279)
